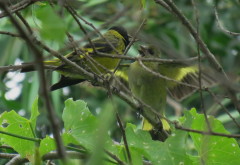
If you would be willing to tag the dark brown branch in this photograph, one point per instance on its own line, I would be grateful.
(13, 68)
(39, 61)
(17, 7)
(158, 60)
(24, 22)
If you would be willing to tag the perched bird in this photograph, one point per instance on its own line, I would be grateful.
(149, 85)
(89, 59)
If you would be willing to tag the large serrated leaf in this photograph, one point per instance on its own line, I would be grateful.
(79, 122)
(171, 152)
(213, 149)
(12, 122)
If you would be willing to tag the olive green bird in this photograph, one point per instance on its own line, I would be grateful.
(88, 58)
(152, 89)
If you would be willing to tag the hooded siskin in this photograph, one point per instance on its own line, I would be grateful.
(88, 58)
(152, 89)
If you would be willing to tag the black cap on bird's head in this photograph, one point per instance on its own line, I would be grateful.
(123, 32)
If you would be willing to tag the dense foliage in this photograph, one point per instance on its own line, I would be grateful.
(89, 126)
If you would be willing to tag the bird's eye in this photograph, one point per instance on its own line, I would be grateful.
(151, 51)
(141, 53)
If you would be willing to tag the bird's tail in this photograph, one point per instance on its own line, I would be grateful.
(64, 82)
(147, 126)
(157, 134)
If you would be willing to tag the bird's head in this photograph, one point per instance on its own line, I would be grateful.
(148, 51)
(123, 32)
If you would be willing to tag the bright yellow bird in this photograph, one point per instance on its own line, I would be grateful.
(152, 89)
(88, 58)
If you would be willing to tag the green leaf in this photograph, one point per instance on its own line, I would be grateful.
(47, 145)
(13, 123)
(172, 151)
(82, 128)
(213, 149)
(79, 122)
(34, 114)
(68, 139)
(52, 26)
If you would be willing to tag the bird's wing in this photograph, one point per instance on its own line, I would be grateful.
(101, 45)
(189, 75)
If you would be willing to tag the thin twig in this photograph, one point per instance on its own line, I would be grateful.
(87, 57)
(10, 34)
(165, 77)
(158, 60)
(6, 146)
(194, 33)
(98, 32)
(120, 125)
(207, 133)
(16, 159)
(131, 43)
(115, 158)
(106, 24)
(17, 7)
(7, 156)
(24, 22)
(21, 137)
(74, 13)
(223, 107)
(220, 25)
(211, 58)
(161, 2)
(200, 69)
(124, 138)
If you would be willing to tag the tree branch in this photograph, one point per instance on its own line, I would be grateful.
(17, 7)
(39, 63)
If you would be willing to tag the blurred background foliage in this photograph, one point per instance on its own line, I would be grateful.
(162, 29)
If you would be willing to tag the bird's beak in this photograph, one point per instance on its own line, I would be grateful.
(131, 38)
